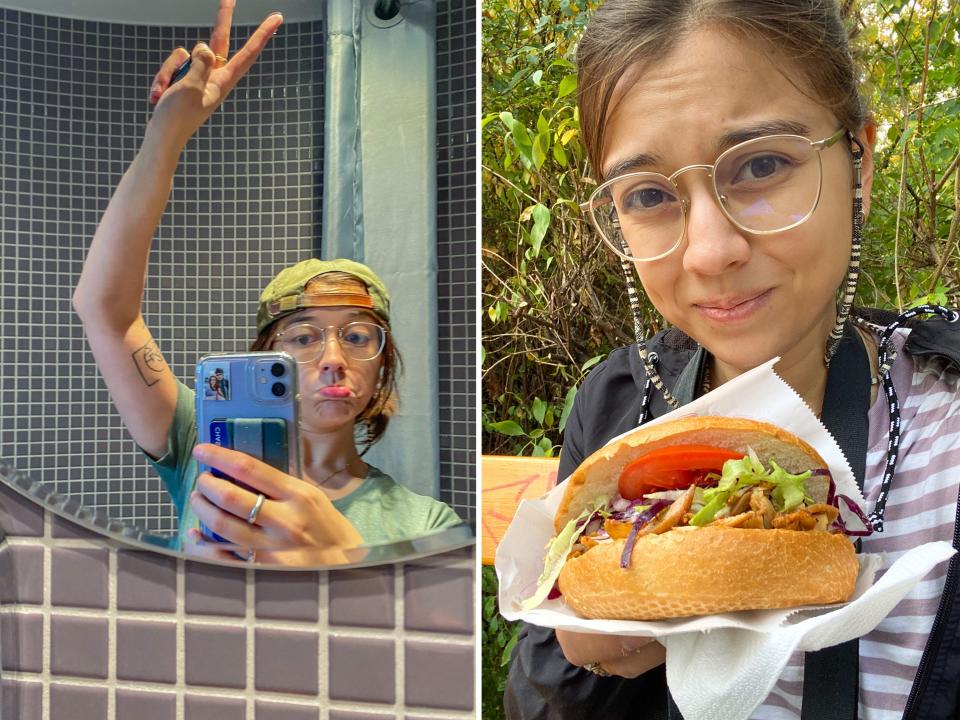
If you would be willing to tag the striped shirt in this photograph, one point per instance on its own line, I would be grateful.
(921, 508)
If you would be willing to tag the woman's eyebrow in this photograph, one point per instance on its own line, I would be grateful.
(643, 160)
(767, 127)
(634, 163)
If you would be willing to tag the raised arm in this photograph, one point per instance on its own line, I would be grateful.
(109, 293)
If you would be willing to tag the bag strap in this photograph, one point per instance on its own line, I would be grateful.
(831, 677)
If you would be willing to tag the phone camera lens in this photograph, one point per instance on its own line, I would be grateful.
(277, 369)
(278, 389)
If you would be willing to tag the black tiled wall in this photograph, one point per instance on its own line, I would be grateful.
(457, 250)
(246, 202)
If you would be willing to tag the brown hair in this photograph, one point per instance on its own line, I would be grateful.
(808, 34)
(372, 422)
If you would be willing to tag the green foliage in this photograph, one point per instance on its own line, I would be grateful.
(910, 241)
(499, 637)
(552, 298)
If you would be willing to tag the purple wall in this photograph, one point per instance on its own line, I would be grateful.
(90, 630)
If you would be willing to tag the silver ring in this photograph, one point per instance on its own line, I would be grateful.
(255, 510)
(251, 555)
(596, 669)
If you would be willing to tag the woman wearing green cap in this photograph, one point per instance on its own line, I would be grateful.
(331, 315)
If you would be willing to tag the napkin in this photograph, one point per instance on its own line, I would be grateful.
(726, 673)
(723, 666)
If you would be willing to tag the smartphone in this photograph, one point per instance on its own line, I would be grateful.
(249, 402)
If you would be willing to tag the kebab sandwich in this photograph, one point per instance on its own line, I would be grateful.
(698, 516)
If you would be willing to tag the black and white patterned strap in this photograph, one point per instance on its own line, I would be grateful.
(886, 358)
(849, 288)
(648, 359)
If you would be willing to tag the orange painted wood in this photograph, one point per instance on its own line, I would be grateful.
(506, 481)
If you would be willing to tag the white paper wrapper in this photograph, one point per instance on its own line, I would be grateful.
(707, 688)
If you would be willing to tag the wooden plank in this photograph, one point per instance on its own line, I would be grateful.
(506, 481)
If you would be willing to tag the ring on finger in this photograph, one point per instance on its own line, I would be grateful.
(255, 510)
(596, 668)
(220, 61)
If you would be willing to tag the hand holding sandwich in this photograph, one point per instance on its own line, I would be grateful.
(627, 656)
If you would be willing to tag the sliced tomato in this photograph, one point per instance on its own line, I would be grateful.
(672, 468)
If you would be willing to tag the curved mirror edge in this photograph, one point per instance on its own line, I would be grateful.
(445, 540)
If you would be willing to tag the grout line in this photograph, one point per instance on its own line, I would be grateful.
(112, 634)
(231, 621)
(323, 643)
(250, 654)
(179, 615)
(47, 619)
(399, 647)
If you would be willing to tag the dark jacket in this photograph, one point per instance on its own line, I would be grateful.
(542, 685)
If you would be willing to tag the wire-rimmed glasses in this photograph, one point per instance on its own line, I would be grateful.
(764, 185)
(306, 341)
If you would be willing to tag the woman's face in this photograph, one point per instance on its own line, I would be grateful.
(745, 297)
(334, 388)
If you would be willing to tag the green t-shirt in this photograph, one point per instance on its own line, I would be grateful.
(381, 510)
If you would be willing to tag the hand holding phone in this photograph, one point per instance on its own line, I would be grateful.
(249, 402)
(295, 520)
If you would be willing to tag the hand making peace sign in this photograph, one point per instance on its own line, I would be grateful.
(183, 106)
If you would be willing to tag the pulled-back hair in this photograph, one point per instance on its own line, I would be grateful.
(808, 36)
(372, 422)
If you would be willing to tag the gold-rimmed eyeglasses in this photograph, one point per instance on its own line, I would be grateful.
(765, 185)
(306, 341)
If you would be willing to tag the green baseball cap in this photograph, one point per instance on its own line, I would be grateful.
(286, 292)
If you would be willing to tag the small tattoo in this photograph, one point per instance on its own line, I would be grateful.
(149, 359)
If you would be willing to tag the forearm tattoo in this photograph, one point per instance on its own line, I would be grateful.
(149, 362)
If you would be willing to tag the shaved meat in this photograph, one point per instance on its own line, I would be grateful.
(760, 503)
(740, 502)
(750, 519)
(672, 516)
(822, 508)
(798, 520)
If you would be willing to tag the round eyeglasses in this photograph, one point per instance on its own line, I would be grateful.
(306, 342)
(763, 186)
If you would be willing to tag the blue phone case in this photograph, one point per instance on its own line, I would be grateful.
(249, 402)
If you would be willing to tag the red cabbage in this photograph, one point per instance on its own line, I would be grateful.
(855, 509)
(642, 519)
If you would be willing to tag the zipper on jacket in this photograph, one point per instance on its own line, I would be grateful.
(949, 590)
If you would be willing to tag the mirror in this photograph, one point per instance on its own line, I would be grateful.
(246, 202)
(440, 541)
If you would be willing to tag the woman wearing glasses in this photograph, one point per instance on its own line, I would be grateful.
(733, 154)
(332, 316)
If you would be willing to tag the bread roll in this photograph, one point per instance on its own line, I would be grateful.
(703, 571)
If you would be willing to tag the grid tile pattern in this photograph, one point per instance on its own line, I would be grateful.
(246, 202)
(457, 251)
(65, 658)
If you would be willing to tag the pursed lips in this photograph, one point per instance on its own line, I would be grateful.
(335, 392)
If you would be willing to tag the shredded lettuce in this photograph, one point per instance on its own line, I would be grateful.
(557, 553)
(789, 491)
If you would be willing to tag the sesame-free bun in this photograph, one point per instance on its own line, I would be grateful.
(703, 570)
(599, 475)
(708, 570)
